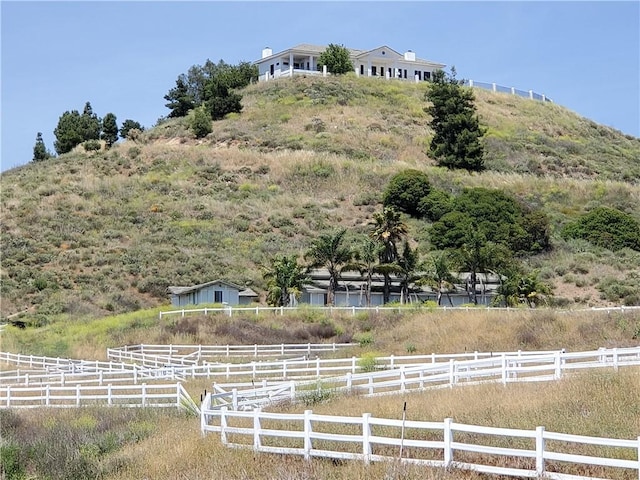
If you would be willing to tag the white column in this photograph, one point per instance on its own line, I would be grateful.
(493, 87)
(324, 70)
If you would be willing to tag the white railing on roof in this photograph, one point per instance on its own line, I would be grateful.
(437, 444)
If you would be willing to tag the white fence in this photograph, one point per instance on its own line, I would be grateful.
(163, 367)
(329, 309)
(439, 444)
(510, 90)
(156, 355)
(504, 369)
(168, 395)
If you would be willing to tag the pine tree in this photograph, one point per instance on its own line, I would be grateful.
(180, 101)
(109, 129)
(457, 140)
(39, 150)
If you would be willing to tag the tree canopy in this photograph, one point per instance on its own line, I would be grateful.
(457, 133)
(74, 129)
(336, 58)
(40, 150)
(406, 189)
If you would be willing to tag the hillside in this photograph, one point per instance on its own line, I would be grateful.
(87, 234)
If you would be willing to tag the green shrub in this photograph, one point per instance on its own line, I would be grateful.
(607, 228)
(405, 191)
(368, 362)
(92, 145)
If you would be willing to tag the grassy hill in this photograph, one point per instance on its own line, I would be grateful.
(90, 233)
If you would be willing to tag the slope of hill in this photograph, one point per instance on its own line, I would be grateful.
(85, 234)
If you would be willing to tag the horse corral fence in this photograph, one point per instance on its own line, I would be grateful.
(437, 444)
(235, 410)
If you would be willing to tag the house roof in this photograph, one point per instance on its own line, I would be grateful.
(182, 290)
(354, 52)
(247, 292)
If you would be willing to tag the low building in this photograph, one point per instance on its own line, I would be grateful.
(382, 62)
(351, 290)
(216, 291)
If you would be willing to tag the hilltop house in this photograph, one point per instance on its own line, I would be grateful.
(380, 62)
(351, 290)
(216, 291)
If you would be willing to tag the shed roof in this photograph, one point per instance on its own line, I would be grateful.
(182, 290)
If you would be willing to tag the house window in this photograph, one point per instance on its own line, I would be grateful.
(217, 296)
(418, 73)
(427, 75)
(374, 71)
(361, 69)
(271, 69)
(405, 73)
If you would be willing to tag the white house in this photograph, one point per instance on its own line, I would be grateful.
(380, 62)
(216, 291)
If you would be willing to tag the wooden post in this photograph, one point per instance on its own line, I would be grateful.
(307, 434)
(448, 440)
(558, 367)
(144, 394)
(366, 434)
(452, 374)
(109, 395)
(234, 399)
(256, 429)
(540, 451)
(223, 425)
(504, 369)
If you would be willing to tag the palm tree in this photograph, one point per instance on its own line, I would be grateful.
(327, 251)
(439, 275)
(284, 278)
(364, 261)
(388, 229)
(475, 256)
(408, 270)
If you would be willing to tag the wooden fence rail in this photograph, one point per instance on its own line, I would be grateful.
(144, 395)
(504, 369)
(329, 309)
(439, 444)
(193, 354)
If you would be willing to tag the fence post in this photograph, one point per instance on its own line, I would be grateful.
(391, 359)
(144, 394)
(292, 391)
(256, 429)
(109, 395)
(234, 399)
(448, 440)
(366, 433)
(503, 365)
(539, 451)
(348, 381)
(558, 366)
(307, 434)
(223, 425)
(353, 364)
(8, 396)
(615, 359)
(403, 379)
(77, 395)
(318, 367)
(203, 415)
(452, 367)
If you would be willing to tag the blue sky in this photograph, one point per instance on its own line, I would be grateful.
(123, 57)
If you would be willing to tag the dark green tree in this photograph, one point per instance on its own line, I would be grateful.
(109, 130)
(40, 150)
(405, 190)
(221, 100)
(457, 140)
(129, 125)
(200, 122)
(68, 132)
(90, 124)
(336, 58)
(387, 229)
(180, 101)
(328, 251)
(285, 277)
(607, 228)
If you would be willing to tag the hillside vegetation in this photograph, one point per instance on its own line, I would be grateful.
(85, 234)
